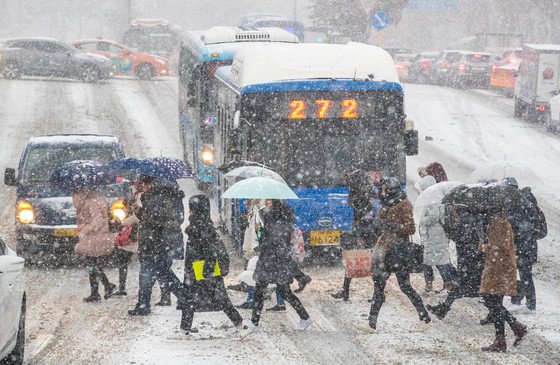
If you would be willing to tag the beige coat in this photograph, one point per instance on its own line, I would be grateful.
(92, 214)
(500, 267)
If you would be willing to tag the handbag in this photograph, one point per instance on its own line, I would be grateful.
(124, 237)
(198, 268)
(357, 263)
(404, 255)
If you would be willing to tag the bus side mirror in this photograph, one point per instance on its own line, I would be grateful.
(411, 142)
(10, 177)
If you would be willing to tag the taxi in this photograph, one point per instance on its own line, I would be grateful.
(127, 61)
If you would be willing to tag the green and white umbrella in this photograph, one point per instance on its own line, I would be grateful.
(259, 188)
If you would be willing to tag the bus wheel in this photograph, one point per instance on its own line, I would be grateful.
(518, 108)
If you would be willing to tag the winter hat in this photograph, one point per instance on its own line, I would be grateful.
(427, 181)
(510, 181)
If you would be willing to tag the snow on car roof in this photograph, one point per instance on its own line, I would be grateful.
(73, 139)
(543, 47)
(281, 62)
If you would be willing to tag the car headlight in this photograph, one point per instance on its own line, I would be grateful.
(207, 155)
(118, 210)
(25, 212)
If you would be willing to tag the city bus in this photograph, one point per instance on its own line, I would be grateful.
(264, 20)
(202, 52)
(312, 113)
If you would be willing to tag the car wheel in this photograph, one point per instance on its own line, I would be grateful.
(11, 71)
(518, 108)
(90, 74)
(16, 356)
(145, 71)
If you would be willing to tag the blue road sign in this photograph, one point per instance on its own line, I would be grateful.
(380, 20)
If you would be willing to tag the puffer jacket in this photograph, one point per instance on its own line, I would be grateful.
(433, 237)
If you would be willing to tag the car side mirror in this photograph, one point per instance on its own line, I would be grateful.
(10, 177)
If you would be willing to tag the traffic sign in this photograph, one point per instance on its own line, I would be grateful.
(380, 20)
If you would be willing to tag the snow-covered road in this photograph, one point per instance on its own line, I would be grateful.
(467, 128)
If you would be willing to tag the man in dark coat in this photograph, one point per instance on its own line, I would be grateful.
(157, 223)
(207, 294)
(275, 263)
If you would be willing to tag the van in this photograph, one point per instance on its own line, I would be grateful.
(537, 81)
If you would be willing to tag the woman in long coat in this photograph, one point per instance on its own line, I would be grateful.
(499, 279)
(208, 294)
(275, 263)
(95, 241)
(397, 224)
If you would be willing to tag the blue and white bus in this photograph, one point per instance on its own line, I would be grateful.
(202, 52)
(312, 113)
(267, 20)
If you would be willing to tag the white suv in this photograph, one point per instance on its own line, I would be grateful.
(12, 307)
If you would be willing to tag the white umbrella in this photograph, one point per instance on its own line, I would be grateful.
(245, 172)
(498, 170)
(259, 188)
(433, 194)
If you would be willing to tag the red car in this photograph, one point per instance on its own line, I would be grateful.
(126, 60)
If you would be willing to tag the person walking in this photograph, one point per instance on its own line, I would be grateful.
(203, 244)
(95, 241)
(499, 279)
(275, 263)
(361, 193)
(157, 223)
(396, 222)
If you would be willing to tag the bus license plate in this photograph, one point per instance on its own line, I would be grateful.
(324, 237)
(65, 232)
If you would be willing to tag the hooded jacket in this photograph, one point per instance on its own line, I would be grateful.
(92, 215)
(433, 237)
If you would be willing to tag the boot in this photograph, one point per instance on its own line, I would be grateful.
(139, 311)
(429, 287)
(109, 290)
(487, 320)
(302, 283)
(439, 310)
(277, 308)
(519, 330)
(93, 297)
(499, 345)
(345, 292)
(165, 299)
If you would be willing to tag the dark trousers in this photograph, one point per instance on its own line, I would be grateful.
(285, 292)
(403, 278)
(498, 312)
(526, 286)
(157, 267)
(446, 272)
(123, 258)
(187, 314)
(96, 274)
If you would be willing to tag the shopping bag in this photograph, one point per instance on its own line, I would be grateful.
(297, 245)
(124, 237)
(357, 263)
(198, 267)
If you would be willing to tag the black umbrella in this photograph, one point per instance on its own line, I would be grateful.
(80, 175)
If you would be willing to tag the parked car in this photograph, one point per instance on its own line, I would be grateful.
(45, 216)
(12, 307)
(537, 81)
(470, 69)
(127, 61)
(52, 58)
(402, 63)
(421, 67)
(440, 67)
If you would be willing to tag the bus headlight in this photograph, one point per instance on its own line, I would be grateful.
(207, 155)
(408, 124)
(118, 210)
(25, 212)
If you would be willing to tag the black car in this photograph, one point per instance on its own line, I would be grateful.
(470, 69)
(49, 57)
(45, 215)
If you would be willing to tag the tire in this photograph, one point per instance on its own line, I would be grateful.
(16, 356)
(11, 71)
(145, 71)
(518, 108)
(90, 74)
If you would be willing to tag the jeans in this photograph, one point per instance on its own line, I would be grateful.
(498, 312)
(285, 291)
(279, 297)
(403, 278)
(250, 294)
(446, 272)
(157, 267)
(187, 314)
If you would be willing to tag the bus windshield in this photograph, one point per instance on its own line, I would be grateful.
(316, 152)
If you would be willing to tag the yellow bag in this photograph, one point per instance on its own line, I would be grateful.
(198, 267)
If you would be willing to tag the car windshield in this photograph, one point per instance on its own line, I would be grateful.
(42, 160)
(478, 58)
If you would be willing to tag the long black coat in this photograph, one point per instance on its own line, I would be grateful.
(203, 243)
(273, 266)
(159, 223)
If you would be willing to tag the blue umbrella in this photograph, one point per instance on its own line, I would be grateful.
(146, 167)
(179, 168)
(80, 175)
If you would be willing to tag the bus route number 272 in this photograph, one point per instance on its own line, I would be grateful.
(323, 109)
